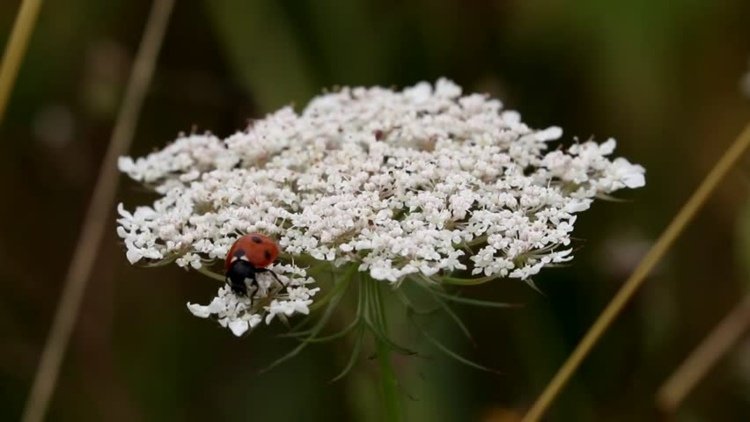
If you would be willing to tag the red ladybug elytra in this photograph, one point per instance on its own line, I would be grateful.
(248, 256)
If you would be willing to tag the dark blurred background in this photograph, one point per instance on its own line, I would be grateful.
(662, 77)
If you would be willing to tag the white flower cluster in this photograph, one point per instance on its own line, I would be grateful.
(425, 181)
(241, 313)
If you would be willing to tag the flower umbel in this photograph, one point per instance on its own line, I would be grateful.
(413, 184)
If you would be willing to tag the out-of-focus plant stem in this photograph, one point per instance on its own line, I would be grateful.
(704, 357)
(631, 285)
(16, 49)
(97, 214)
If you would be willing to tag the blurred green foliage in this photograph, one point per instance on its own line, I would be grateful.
(660, 76)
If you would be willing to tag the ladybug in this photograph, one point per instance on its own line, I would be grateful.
(248, 256)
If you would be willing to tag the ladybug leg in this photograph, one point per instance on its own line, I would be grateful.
(237, 290)
(266, 270)
(252, 292)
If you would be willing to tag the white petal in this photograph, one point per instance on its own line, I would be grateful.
(550, 134)
(238, 327)
(133, 255)
(198, 310)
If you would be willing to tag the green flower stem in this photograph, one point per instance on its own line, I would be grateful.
(388, 382)
(388, 379)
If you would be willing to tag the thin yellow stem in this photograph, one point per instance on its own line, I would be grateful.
(16, 49)
(631, 285)
(97, 214)
(704, 357)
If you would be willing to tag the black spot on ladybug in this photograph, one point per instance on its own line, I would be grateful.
(239, 253)
(256, 239)
(267, 254)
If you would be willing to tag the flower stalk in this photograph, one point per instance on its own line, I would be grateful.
(389, 383)
(97, 214)
(16, 49)
(388, 378)
(704, 357)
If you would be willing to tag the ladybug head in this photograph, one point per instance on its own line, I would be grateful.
(238, 273)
